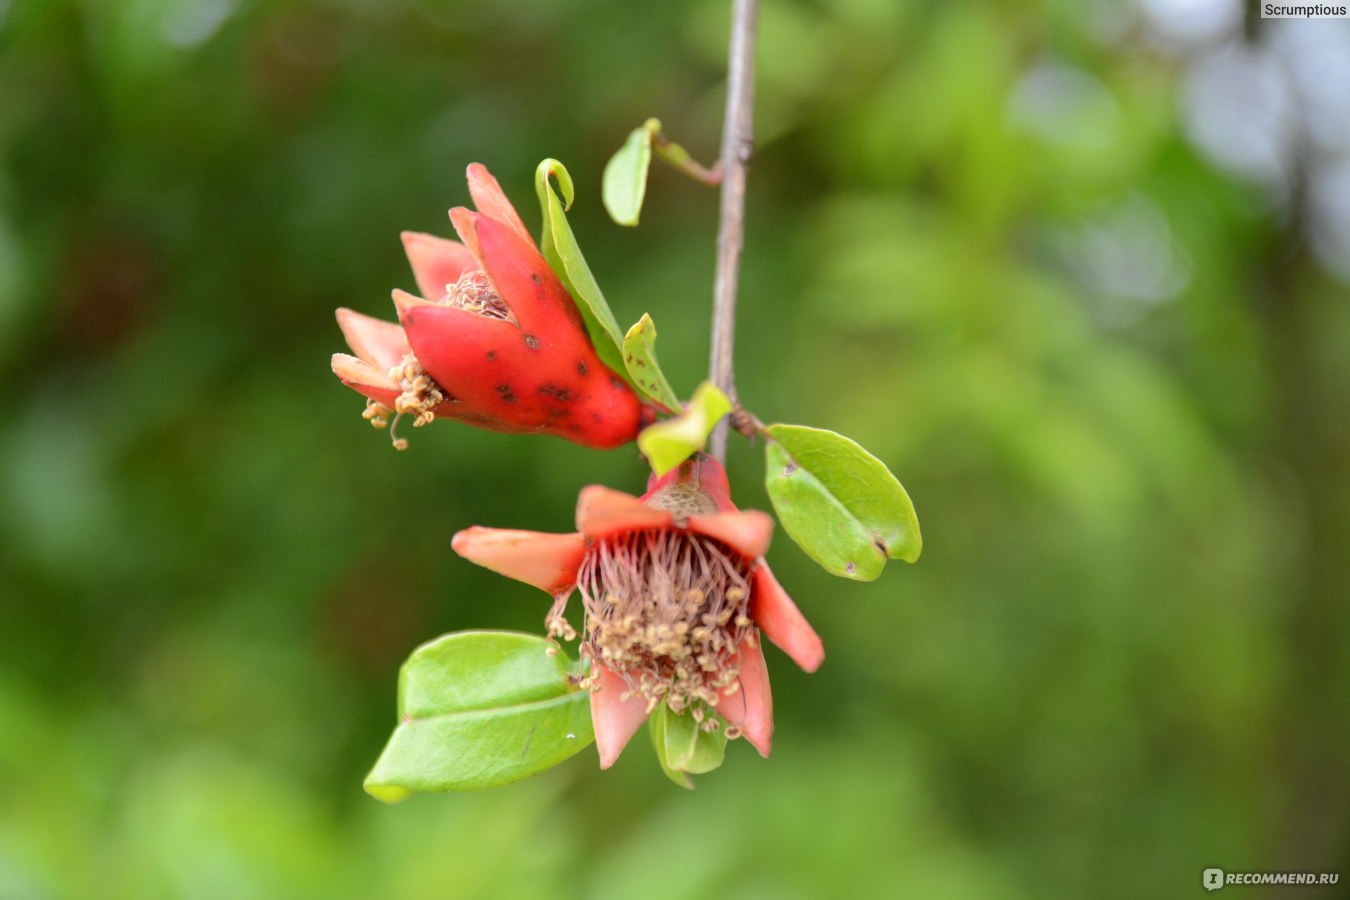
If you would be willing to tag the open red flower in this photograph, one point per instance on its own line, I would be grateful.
(676, 591)
(497, 342)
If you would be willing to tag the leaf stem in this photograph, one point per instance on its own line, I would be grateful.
(678, 158)
(737, 146)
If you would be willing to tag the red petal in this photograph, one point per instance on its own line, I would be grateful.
(436, 262)
(358, 375)
(749, 531)
(453, 345)
(377, 342)
(491, 201)
(529, 286)
(615, 720)
(775, 613)
(547, 561)
(602, 511)
(751, 707)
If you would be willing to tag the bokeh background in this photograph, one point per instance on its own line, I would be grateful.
(1076, 271)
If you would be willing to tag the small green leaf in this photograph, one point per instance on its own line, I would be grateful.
(559, 247)
(625, 181)
(669, 443)
(839, 502)
(639, 355)
(657, 724)
(479, 709)
(683, 748)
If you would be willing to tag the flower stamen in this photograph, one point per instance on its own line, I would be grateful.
(419, 398)
(474, 293)
(376, 413)
(667, 611)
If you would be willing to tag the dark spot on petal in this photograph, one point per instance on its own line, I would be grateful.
(597, 418)
(491, 355)
(534, 276)
(505, 391)
(581, 368)
(532, 342)
(617, 382)
(560, 394)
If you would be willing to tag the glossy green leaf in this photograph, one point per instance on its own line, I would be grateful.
(479, 709)
(683, 748)
(560, 249)
(639, 355)
(839, 502)
(625, 181)
(671, 442)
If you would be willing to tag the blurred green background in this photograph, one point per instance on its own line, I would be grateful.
(1076, 271)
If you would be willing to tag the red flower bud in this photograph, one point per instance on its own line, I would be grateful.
(497, 342)
(676, 591)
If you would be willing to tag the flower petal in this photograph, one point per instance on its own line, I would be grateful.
(603, 511)
(750, 708)
(375, 341)
(527, 284)
(491, 201)
(453, 346)
(436, 262)
(749, 531)
(775, 613)
(547, 561)
(615, 719)
(361, 377)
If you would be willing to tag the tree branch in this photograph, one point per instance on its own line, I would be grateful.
(737, 146)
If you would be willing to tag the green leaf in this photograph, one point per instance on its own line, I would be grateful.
(479, 709)
(560, 250)
(683, 748)
(657, 724)
(839, 502)
(625, 181)
(639, 355)
(669, 443)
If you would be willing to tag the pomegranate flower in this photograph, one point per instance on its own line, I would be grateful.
(497, 342)
(675, 590)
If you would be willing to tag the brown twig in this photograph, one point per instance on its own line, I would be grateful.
(737, 146)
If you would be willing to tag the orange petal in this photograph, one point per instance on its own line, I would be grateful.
(375, 341)
(751, 707)
(749, 531)
(775, 613)
(436, 262)
(547, 561)
(358, 375)
(616, 720)
(491, 201)
(602, 511)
